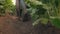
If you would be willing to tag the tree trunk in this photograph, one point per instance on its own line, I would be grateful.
(18, 8)
(20, 4)
(24, 10)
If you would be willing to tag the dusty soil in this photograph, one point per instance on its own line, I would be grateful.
(10, 25)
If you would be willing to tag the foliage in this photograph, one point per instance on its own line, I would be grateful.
(6, 5)
(37, 10)
(2, 7)
(46, 9)
(56, 22)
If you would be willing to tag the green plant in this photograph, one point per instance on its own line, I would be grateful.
(56, 22)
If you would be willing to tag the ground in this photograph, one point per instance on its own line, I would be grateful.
(11, 25)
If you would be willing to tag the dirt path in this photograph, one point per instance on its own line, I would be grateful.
(10, 25)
